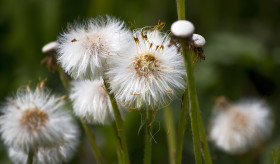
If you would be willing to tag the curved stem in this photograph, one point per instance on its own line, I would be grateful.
(170, 133)
(92, 141)
(181, 127)
(119, 125)
(30, 157)
(148, 137)
(119, 150)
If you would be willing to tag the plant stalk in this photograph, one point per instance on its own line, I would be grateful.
(148, 137)
(170, 134)
(30, 157)
(92, 141)
(182, 127)
(119, 125)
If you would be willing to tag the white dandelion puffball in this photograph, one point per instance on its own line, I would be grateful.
(238, 127)
(32, 119)
(198, 40)
(83, 49)
(148, 76)
(91, 101)
(182, 28)
(60, 153)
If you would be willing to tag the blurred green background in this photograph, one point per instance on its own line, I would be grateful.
(242, 60)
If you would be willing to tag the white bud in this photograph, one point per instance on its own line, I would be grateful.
(49, 47)
(182, 28)
(198, 40)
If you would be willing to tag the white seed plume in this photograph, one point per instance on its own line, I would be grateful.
(198, 40)
(60, 153)
(238, 127)
(83, 50)
(91, 101)
(32, 119)
(182, 28)
(52, 46)
(148, 76)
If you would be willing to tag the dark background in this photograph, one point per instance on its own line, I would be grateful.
(242, 60)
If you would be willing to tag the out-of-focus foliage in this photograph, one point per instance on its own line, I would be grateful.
(242, 61)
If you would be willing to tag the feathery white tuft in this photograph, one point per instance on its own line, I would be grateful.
(198, 40)
(238, 127)
(32, 119)
(83, 50)
(150, 74)
(91, 101)
(51, 46)
(60, 153)
(182, 28)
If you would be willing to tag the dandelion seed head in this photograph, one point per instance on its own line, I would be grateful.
(91, 101)
(32, 118)
(150, 75)
(83, 49)
(236, 128)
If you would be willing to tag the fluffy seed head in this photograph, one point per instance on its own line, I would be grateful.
(60, 153)
(91, 101)
(150, 75)
(198, 40)
(84, 48)
(238, 127)
(32, 119)
(182, 28)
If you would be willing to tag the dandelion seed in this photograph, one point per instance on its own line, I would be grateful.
(147, 76)
(236, 128)
(32, 119)
(82, 52)
(92, 102)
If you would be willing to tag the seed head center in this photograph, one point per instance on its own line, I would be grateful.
(146, 64)
(34, 118)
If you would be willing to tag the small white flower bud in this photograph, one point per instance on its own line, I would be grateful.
(182, 28)
(198, 40)
(49, 47)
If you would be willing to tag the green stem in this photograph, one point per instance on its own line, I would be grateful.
(92, 141)
(148, 137)
(193, 103)
(170, 133)
(30, 157)
(181, 127)
(119, 150)
(119, 125)
(196, 120)
(91, 137)
(181, 9)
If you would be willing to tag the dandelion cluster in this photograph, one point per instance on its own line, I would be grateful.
(32, 120)
(238, 127)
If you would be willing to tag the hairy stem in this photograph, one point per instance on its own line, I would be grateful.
(148, 137)
(92, 141)
(119, 125)
(181, 127)
(170, 133)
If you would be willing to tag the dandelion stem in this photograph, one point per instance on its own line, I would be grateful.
(148, 137)
(119, 150)
(92, 141)
(119, 125)
(196, 120)
(91, 137)
(30, 157)
(181, 127)
(170, 133)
